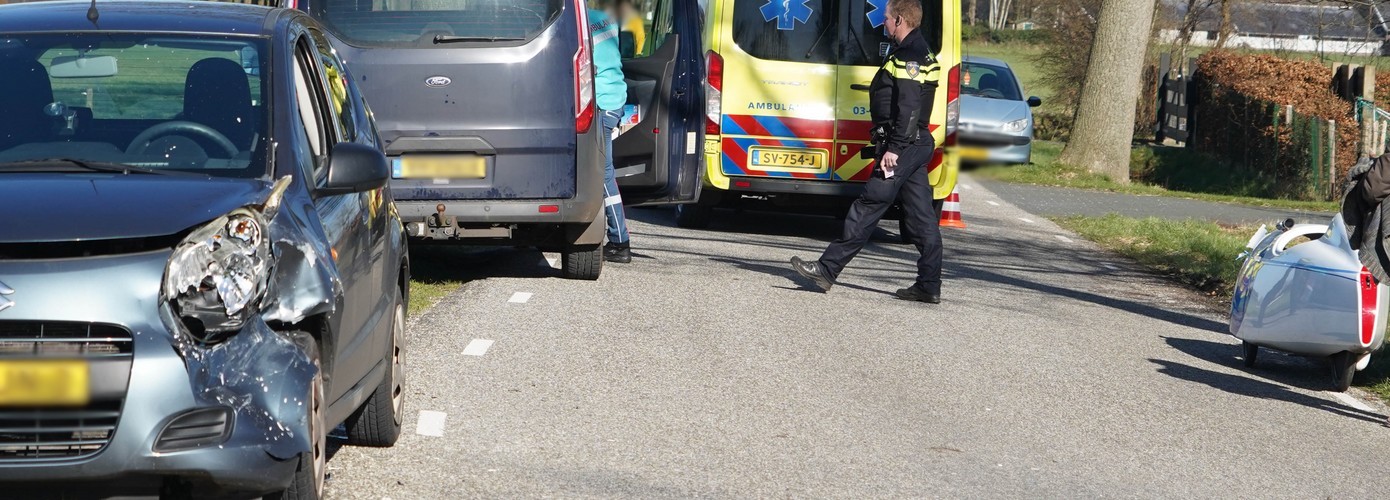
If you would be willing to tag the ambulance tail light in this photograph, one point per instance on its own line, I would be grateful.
(714, 91)
(1369, 306)
(952, 104)
(583, 75)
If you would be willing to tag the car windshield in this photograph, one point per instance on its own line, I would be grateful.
(416, 23)
(989, 81)
(151, 101)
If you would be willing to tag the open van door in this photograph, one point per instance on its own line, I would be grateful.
(658, 155)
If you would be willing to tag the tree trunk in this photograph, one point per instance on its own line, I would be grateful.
(973, 5)
(1225, 29)
(1104, 125)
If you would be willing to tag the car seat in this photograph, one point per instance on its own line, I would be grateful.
(216, 94)
(24, 92)
(988, 81)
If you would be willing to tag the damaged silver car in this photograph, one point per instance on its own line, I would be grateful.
(201, 271)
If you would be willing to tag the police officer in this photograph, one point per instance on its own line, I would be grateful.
(900, 100)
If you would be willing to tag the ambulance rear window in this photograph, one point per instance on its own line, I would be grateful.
(415, 23)
(812, 31)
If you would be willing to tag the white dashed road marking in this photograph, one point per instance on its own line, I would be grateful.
(991, 203)
(477, 347)
(431, 423)
(966, 186)
(520, 297)
(1025, 219)
(1352, 402)
(1063, 238)
(1109, 266)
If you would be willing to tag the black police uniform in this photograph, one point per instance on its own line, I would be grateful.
(900, 100)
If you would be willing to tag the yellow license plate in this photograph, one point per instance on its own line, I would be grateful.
(784, 159)
(440, 166)
(35, 382)
(974, 154)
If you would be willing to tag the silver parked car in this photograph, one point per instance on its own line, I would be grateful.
(996, 122)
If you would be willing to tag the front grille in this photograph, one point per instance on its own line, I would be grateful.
(28, 433)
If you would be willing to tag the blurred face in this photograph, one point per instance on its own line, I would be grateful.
(896, 28)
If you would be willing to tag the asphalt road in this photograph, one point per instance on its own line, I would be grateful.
(704, 369)
(1059, 201)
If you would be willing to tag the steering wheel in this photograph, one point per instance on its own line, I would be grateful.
(991, 93)
(185, 128)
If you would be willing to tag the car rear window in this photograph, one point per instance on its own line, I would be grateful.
(810, 31)
(415, 23)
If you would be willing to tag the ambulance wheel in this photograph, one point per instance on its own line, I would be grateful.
(694, 215)
(1248, 353)
(1343, 370)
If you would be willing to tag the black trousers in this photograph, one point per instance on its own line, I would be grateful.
(911, 182)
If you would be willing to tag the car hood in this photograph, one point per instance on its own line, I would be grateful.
(985, 111)
(74, 207)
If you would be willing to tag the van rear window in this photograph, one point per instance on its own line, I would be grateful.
(848, 32)
(415, 23)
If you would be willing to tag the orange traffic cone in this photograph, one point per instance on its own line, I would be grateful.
(950, 211)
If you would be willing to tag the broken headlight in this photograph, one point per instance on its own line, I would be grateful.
(217, 275)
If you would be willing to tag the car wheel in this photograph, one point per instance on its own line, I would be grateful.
(1248, 353)
(378, 421)
(694, 215)
(307, 483)
(582, 262)
(1343, 370)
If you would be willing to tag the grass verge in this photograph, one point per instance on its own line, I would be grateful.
(434, 273)
(1199, 254)
(1174, 168)
(425, 294)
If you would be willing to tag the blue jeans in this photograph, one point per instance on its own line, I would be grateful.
(612, 201)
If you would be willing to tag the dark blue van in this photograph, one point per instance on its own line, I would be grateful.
(486, 108)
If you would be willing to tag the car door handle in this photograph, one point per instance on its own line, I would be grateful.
(862, 87)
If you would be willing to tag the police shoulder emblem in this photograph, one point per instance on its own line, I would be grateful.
(913, 68)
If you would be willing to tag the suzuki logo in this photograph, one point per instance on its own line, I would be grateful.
(438, 81)
(4, 302)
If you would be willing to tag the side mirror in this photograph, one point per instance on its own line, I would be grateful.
(1034, 102)
(354, 168)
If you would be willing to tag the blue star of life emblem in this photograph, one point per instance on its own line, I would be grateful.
(787, 12)
(879, 15)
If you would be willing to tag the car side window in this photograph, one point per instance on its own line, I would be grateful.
(335, 88)
(312, 105)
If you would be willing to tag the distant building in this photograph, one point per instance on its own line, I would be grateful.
(1298, 26)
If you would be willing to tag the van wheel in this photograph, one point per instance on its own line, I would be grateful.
(582, 262)
(378, 421)
(307, 483)
(694, 215)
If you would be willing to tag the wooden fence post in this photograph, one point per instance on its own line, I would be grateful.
(1331, 157)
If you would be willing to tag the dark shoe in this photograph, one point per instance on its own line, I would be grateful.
(621, 254)
(920, 295)
(813, 272)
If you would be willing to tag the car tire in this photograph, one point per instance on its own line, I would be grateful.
(582, 262)
(378, 421)
(1343, 370)
(1248, 353)
(308, 480)
(694, 215)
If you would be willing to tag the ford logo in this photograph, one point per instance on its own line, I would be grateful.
(438, 81)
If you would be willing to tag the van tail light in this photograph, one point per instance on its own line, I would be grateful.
(583, 74)
(952, 104)
(714, 91)
(1369, 306)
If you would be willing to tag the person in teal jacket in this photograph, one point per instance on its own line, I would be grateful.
(611, 96)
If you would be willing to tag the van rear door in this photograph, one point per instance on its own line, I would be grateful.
(658, 155)
(480, 93)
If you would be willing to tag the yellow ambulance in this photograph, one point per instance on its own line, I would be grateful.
(787, 107)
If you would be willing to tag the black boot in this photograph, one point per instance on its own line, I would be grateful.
(617, 252)
(916, 293)
(812, 271)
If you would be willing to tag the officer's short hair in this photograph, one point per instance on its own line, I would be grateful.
(909, 10)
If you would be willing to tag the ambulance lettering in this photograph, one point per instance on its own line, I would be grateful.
(774, 106)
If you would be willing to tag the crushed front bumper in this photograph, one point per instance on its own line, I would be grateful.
(259, 440)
